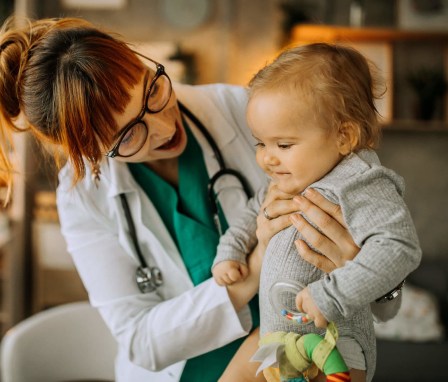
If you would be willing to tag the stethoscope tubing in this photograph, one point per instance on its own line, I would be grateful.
(149, 278)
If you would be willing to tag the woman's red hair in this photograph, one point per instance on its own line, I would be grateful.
(65, 78)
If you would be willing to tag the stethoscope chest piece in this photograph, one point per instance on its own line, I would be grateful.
(148, 279)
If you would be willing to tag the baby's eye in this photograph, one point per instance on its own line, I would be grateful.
(259, 145)
(284, 146)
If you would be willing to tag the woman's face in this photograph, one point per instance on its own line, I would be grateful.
(166, 137)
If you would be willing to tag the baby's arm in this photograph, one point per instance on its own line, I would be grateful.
(306, 304)
(228, 272)
(336, 246)
(381, 225)
(230, 264)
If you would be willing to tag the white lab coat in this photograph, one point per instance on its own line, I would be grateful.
(157, 331)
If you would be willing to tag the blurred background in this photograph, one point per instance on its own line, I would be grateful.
(207, 41)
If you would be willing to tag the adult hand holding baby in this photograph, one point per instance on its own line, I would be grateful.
(335, 245)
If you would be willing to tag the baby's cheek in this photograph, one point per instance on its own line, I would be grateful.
(260, 161)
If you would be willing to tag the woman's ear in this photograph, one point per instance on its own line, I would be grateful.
(348, 137)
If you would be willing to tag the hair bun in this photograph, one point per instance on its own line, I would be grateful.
(14, 46)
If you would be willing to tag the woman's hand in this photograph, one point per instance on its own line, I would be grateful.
(274, 214)
(335, 242)
(279, 207)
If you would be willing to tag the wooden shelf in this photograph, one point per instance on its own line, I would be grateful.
(416, 126)
(307, 33)
(379, 46)
(4, 317)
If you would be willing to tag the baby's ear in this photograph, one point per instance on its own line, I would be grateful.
(348, 137)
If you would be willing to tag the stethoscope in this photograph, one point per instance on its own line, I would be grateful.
(149, 278)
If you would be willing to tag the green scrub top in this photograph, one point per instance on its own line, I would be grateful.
(187, 215)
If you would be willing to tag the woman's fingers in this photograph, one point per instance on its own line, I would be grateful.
(319, 261)
(274, 193)
(334, 210)
(277, 208)
(277, 203)
(319, 242)
(274, 214)
(334, 241)
(266, 229)
(329, 225)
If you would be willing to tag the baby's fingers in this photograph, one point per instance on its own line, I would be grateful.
(234, 275)
(244, 270)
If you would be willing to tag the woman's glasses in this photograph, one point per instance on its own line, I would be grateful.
(155, 97)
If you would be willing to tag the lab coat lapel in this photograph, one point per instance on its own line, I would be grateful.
(150, 228)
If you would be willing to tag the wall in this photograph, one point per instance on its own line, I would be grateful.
(235, 38)
(421, 157)
(233, 41)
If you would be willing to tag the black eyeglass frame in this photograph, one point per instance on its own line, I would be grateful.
(112, 153)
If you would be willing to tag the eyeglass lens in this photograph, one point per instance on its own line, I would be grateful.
(159, 95)
(134, 140)
(157, 99)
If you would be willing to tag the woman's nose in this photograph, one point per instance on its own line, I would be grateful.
(158, 127)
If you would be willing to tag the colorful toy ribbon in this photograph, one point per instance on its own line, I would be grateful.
(293, 357)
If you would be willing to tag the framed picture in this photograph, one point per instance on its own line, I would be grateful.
(96, 4)
(423, 15)
(381, 55)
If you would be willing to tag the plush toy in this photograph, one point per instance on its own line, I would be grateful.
(291, 357)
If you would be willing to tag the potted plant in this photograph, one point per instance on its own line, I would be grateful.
(429, 85)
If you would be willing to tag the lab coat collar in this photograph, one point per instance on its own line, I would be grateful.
(119, 178)
(209, 114)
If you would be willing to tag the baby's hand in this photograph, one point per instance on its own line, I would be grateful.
(229, 272)
(305, 303)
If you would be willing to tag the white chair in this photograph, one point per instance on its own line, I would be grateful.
(66, 343)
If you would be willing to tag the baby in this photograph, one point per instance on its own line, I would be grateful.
(313, 116)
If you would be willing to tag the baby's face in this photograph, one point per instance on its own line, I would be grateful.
(292, 148)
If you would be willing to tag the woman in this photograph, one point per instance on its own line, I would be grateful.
(116, 119)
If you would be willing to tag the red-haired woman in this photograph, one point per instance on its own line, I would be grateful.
(133, 197)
